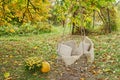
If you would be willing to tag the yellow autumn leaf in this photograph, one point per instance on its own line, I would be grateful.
(11, 56)
(35, 47)
(107, 70)
(53, 56)
(94, 72)
(82, 78)
(6, 74)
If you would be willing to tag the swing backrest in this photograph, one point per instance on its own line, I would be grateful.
(72, 44)
(64, 50)
(85, 45)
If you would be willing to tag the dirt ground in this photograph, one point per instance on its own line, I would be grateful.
(80, 70)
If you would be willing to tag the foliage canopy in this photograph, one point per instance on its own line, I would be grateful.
(22, 11)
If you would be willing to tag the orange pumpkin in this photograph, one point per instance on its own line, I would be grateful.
(45, 67)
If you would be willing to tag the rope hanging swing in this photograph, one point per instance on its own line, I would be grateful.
(69, 52)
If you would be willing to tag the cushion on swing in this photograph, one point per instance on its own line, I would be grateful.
(71, 44)
(64, 50)
(70, 59)
(83, 48)
(77, 51)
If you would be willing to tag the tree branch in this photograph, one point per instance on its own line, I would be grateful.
(33, 6)
(101, 17)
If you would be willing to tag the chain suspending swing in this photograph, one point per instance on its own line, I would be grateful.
(69, 52)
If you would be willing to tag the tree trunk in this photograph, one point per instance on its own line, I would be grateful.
(73, 28)
(73, 24)
(109, 26)
(63, 23)
(93, 18)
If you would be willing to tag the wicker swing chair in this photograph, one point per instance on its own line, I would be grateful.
(69, 52)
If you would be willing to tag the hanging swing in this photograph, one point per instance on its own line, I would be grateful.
(69, 52)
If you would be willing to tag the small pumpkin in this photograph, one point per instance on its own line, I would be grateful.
(45, 67)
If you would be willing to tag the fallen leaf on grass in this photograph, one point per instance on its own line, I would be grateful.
(5, 62)
(53, 56)
(96, 72)
(11, 56)
(93, 67)
(107, 70)
(99, 71)
(51, 62)
(101, 79)
(15, 62)
(35, 47)
(34, 74)
(6, 74)
(82, 78)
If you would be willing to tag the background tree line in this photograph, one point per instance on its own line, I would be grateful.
(78, 14)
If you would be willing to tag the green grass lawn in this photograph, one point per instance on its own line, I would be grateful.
(15, 49)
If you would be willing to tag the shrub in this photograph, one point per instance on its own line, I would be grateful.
(26, 28)
(8, 30)
(33, 63)
(42, 27)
